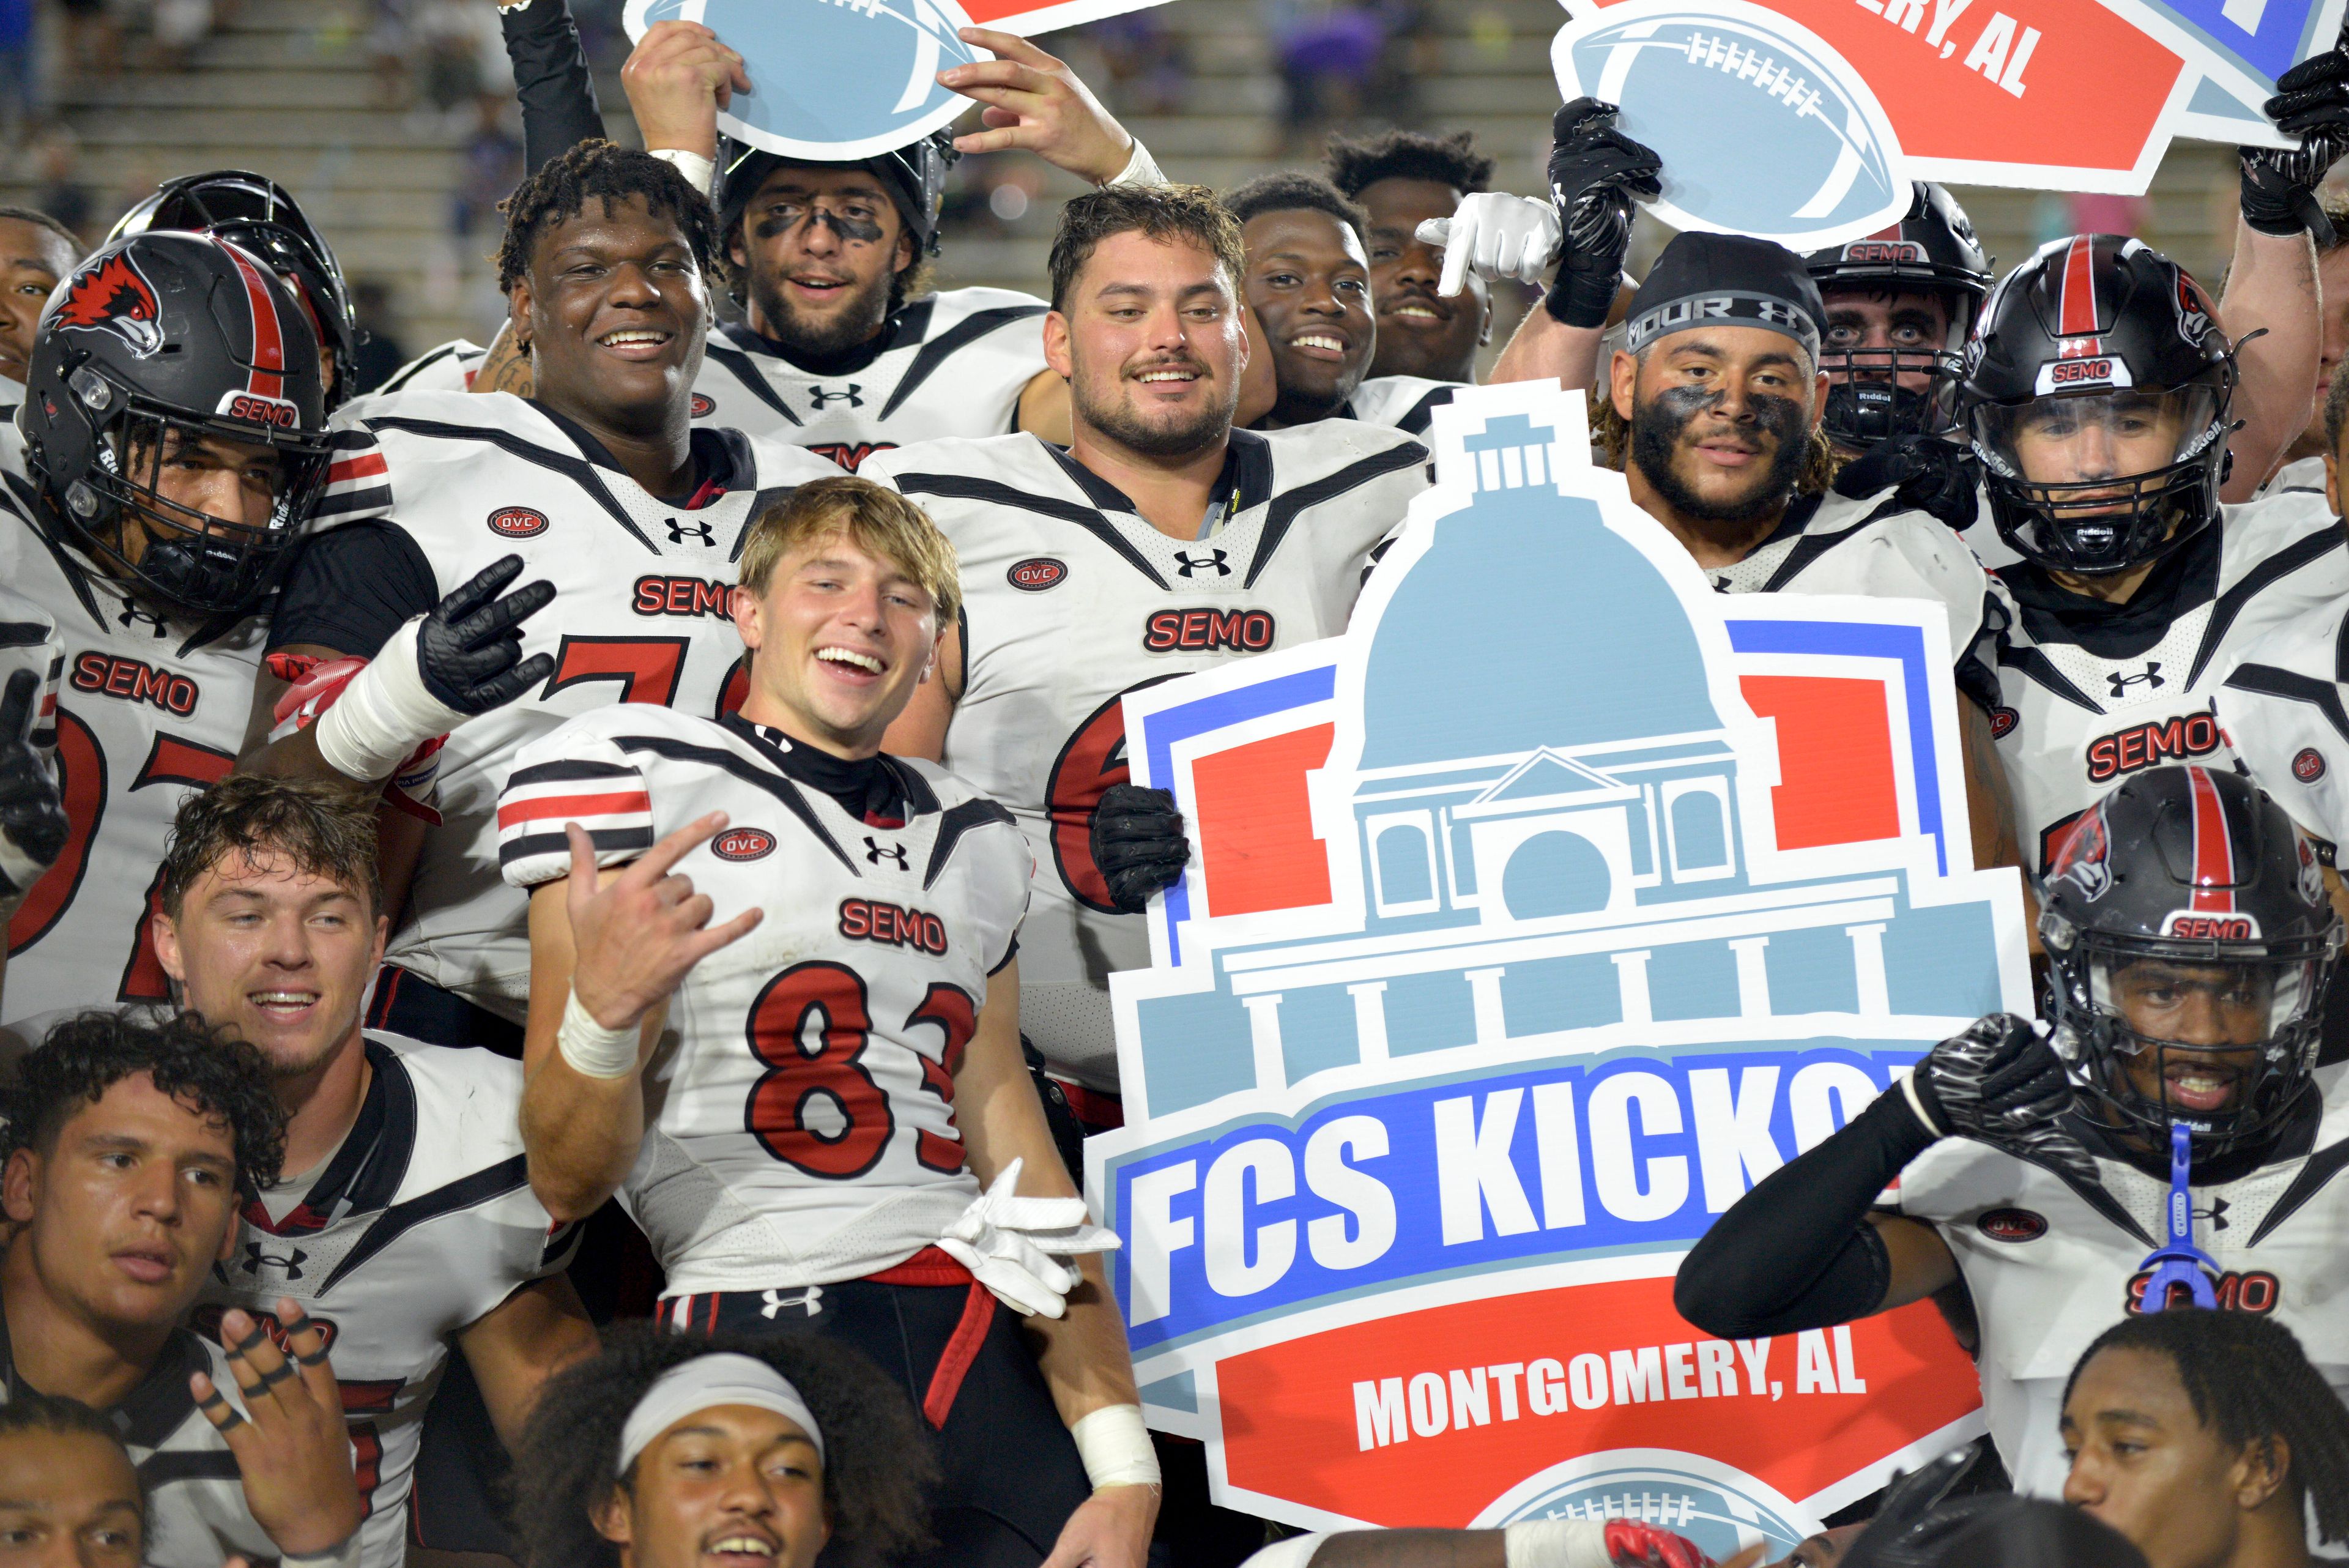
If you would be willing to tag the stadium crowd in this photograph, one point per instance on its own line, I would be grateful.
(602, 853)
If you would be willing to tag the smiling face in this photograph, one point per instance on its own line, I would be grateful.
(838, 641)
(613, 308)
(730, 1487)
(819, 245)
(125, 1210)
(281, 955)
(1309, 282)
(1151, 343)
(2144, 1463)
(1720, 418)
(1420, 333)
(32, 260)
(69, 1499)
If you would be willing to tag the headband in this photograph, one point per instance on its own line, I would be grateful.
(705, 1382)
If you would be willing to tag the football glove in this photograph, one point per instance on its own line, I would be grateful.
(1935, 476)
(33, 826)
(2279, 184)
(1595, 172)
(468, 650)
(1498, 234)
(1138, 845)
(1020, 1248)
(2000, 1083)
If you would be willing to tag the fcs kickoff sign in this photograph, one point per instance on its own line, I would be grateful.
(1501, 967)
(1855, 98)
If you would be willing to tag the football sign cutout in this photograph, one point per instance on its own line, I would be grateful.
(1490, 985)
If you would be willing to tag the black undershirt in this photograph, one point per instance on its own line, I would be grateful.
(870, 789)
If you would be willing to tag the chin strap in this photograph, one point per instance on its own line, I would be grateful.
(2180, 1261)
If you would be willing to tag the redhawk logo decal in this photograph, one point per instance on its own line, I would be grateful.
(2309, 765)
(2016, 1225)
(2081, 858)
(517, 523)
(115, 296)
(744, 844)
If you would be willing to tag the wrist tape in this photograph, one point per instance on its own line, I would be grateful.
(384, 714)
(1140, 169)
(1556, 1543)
(593, 1050)
(1115, 1448)
(699, 172)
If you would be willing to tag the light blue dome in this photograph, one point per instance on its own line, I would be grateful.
(1528, 624)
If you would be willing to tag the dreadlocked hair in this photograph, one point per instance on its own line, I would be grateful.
(1354, 166)
(603, 170)
(2251, 1384)
(1610, 441)
(876, 1463)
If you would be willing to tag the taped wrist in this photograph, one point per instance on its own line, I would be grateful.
(1115, 1448)
(1140, 169)
(699, 172)
(1556, 1543)
(1582, 298)
(384, 714)
(593, 1050)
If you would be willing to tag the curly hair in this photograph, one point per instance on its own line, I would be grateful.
(603, 171)
(1610, 442)
(1353, 167)
(877, 1463)
(206, 1069)
(2252, 1385)
(325, 829)
(1287, 190)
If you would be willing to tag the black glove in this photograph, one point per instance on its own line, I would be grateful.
(1138, 845)
(468, 650)
(2312, 102)
(1937, 477)
(2001, 1083)
(1595, 172)
(33, 826)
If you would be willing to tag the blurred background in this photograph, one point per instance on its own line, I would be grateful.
(393, 122)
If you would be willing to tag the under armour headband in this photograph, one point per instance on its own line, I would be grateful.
(705, 1382)
(1727, 278)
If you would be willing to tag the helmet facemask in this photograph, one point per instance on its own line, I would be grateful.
(1866, 401)
(2097, 482)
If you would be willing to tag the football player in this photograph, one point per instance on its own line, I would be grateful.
(1161, 542)
(846, 1139)
(130, 1145)
(35, 251)
(34, 826)
(2098, 394)
(68, 1495)
(260, 216)
(404, 1222)
(2189, 939)
(630, 512)
(2206, 1437)
(842, 346)
(172, 443)
(1401, 180)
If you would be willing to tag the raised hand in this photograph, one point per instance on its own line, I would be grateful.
(1595, 172)
(468, 650)
(33, 826)
(678, 77)
(1037, 103)
(291, 1446)
(2001, 1083)
(637, 937)
(2279, 185)
(1498, 235)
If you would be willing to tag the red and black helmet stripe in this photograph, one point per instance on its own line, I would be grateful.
(2076, 308)
(267, 360)
(2215, 877)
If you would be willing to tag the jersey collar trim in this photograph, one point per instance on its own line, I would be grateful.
(905, 328)
(366, 1172)
(887, 787)
(1243, 483)
(156, 1405)
(718, 462)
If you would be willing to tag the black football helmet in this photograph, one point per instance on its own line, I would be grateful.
(1930, 250)
(2095, 393)
(915, 175)
(156, 341)
(2184, 916)
(257, 214)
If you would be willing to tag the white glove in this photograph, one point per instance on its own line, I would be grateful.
(1014, 1245)
(1499, 234)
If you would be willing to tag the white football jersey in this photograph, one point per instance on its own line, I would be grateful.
(950, 364)
(642, 590)
(29, 641)
(2282, 706)
(447, 369)
(1072, 600)
(2091, 696)
(804, 1129)
(419, 1225)
(151, 706)
(2302, 474)
(2052, 1265)
(1407, 403)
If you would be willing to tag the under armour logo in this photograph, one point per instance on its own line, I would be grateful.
(2152, 677)
(256, 1260)
(2216, 1214)
(807, 1300)
(1216, 560)
(700, 531)
(875, 853)
(818, 396)
(132, 616)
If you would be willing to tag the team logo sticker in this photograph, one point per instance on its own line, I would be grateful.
(517, 523)
(2083, 859)
(115, 296)
(703, 406)
(744, 844)
(2016, 1225)
(1037, 573)
(2002, 722)
(2308, 767)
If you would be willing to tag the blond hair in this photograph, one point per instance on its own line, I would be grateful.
(875, 518)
